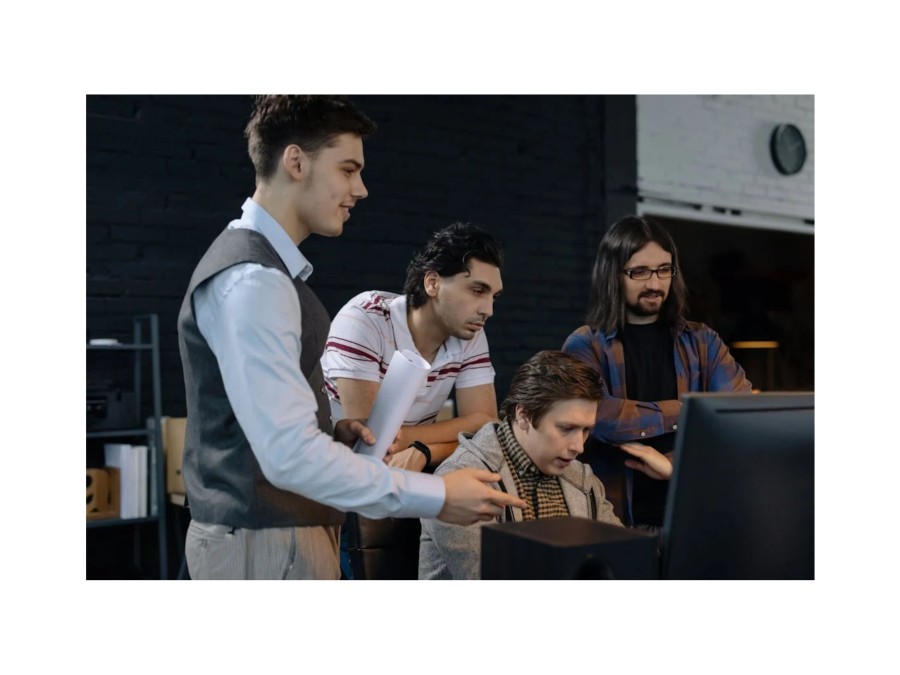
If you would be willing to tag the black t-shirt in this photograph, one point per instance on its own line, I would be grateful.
(650, 376)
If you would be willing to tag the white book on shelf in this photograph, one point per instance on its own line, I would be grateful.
(121, 457)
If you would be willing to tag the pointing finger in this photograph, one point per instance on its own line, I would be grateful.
(502, 499)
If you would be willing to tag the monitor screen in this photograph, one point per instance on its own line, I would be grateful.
(740, 502)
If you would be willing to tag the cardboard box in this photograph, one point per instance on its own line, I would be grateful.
(102, 493)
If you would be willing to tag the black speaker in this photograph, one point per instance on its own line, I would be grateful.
(567, 548)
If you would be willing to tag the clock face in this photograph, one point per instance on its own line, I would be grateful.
(788, 149)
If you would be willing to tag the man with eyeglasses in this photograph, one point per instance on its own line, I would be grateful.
(648, 355)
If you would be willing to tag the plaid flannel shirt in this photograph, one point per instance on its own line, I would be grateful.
(702, 363)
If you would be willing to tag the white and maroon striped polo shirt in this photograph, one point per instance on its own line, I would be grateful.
(364, 336)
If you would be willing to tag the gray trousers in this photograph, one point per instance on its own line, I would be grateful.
(222, 552)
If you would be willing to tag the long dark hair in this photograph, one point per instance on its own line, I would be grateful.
(606, 309)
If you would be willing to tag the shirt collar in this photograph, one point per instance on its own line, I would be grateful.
(451, 348)
(401, 326)
(259, 220)
(516, 455)
(680, 327)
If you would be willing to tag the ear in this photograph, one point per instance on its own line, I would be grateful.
(295, 161)
(430, 282)
(521, 419)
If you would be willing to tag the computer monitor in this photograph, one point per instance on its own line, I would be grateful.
(740, 502)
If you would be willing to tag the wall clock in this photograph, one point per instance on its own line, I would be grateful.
(788, 149)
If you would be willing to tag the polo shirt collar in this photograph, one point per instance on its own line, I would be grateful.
(450, 350)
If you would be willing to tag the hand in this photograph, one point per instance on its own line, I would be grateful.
(470, 497)
(648, 461)
(411, 459)
(347, 431)
(401, 444)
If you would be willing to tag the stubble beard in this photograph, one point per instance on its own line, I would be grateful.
(639, 309)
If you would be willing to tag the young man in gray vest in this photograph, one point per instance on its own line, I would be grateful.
(267, 478)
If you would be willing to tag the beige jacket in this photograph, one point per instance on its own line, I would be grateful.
(454, 551)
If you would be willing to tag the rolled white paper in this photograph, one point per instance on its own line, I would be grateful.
(405, 375)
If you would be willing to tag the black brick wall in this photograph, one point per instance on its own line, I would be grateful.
(545, 174)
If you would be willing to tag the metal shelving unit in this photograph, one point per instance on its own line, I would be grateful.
(145, 339)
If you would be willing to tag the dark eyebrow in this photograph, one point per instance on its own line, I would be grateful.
(353, 162)
(486, 287)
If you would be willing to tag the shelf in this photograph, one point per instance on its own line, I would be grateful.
(123, 347)
(114, 522)
(113, 433)
(144, 343)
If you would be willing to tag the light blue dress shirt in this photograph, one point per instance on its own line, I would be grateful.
(250, 316)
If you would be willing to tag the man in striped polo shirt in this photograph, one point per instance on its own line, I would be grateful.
(448, 297)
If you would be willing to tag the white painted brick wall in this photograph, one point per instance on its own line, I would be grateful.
(714, 150)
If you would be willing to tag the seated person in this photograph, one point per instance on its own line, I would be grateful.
(448, 297)
(546, 417)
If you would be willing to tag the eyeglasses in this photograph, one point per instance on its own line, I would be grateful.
(644, 273)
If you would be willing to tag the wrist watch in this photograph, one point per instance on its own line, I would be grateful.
(424, 449)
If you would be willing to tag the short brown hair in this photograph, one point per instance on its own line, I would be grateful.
(308, 121)
(547, 378)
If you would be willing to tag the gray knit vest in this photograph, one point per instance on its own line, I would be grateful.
(222, 478)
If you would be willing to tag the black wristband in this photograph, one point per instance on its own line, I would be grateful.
(424, 449)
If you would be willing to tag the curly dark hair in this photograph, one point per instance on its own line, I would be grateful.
(606, 308)
(308, 121)
(448, 252)
(547, 378)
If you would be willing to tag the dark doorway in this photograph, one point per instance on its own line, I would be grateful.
(755, 288)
